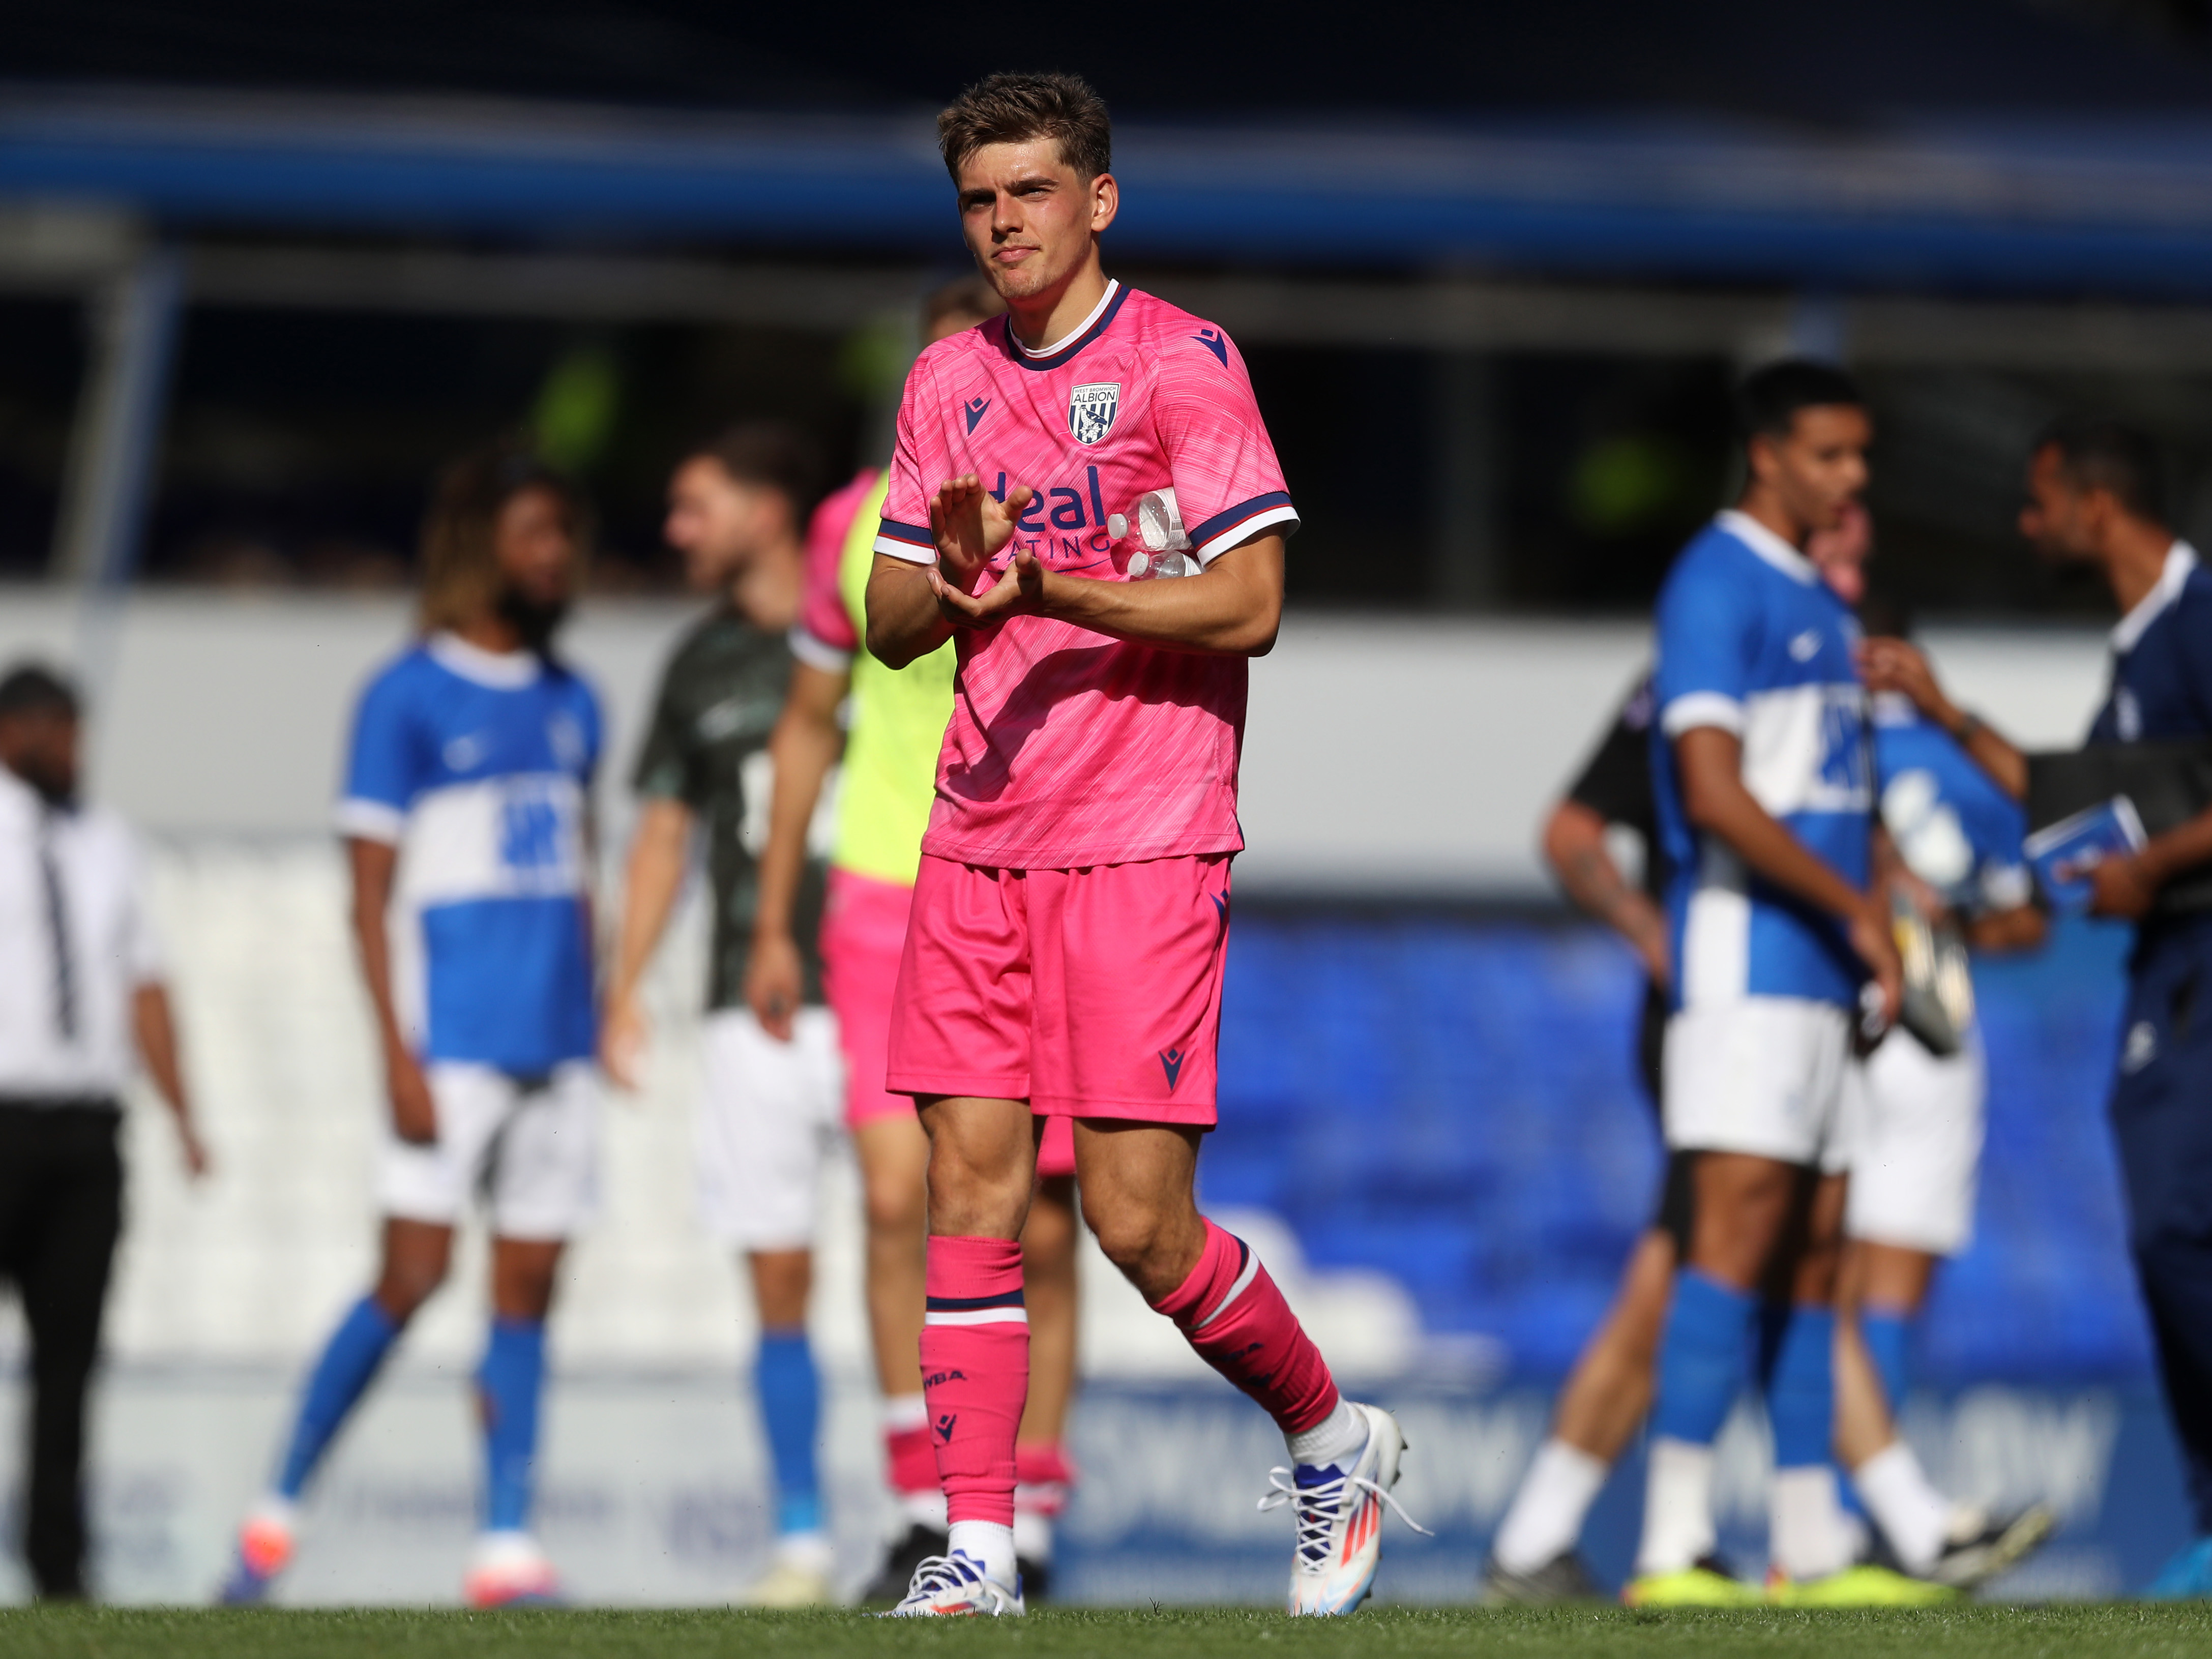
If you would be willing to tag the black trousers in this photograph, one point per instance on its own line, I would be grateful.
(61, 1209)
(2162, 1118)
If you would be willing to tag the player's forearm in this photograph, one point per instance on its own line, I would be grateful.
(1574, 846)
(1986, 747)
(1234, 607)
(2023, 927)
(654, 875)
(374, 864)
(803, 747)
(156, 1032)
(1770, 852)
(2182, 847)
(904, 622)
(2005, 765)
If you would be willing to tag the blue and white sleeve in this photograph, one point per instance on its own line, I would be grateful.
(380, 765)
(1707, 630)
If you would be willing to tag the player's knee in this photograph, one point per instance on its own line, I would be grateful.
(405, 1287)
(897, 1205)
(1134, 1238)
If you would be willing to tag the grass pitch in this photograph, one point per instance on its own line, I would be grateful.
(2130, 1631)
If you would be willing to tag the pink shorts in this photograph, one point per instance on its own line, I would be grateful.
(863, 937)
(863, 934)
(1092, 993)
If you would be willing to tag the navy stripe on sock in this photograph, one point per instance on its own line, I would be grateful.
(965, 1303)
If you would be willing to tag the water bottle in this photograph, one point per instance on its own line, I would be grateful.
(1166, 551)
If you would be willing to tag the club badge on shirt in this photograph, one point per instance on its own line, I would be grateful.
(1091, 410)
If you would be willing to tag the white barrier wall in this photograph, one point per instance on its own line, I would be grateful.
(1381, 755)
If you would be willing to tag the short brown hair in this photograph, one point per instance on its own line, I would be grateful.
(968, 296)
(1012, 109)
(772, 454)
(2096, 453)
(460, 569)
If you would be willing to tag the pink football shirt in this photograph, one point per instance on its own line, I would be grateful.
(825, 636)
(1068, 748)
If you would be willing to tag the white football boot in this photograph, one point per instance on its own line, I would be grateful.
(1339, 1511)
(954, 1586)
(509, 1569)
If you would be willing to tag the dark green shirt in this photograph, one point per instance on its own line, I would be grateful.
(720, 697)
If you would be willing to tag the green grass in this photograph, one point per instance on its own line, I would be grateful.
(2134, 1632)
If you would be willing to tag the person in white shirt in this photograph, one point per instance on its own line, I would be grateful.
(80, 989)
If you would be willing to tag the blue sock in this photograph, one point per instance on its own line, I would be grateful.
(509, 1384)
(791, 1406)
(1886, 1335)
(1702, 1359)
(348, 1363)
(1801, 1399)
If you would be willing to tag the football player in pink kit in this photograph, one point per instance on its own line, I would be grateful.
(1064, 956)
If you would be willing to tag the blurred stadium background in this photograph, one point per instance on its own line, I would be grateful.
(262, 267)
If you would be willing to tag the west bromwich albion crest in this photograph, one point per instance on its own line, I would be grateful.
(1091, 410)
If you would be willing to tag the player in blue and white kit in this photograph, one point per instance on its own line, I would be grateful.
(1766, 784)
(1916, 1139)
(466, 819)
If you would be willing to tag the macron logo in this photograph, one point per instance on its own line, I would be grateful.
(1171, 1062)
(1212, 339)
(1806, 646)
(975, 408)
(944, 1427)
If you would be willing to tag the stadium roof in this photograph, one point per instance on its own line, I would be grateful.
(1964, 144)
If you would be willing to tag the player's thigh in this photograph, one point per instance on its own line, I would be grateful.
(544, 1178)
(1128, 967)
(961, 1015)
(983, 1165)
(1917, 1147)
(760, 1127)
(1761, 1075)
(434, 1183)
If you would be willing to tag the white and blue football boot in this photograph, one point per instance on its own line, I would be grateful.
(954, 1586)
(1339, 1511)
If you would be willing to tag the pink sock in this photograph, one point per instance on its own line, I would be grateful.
(912, 1460)
(1044, 1477)
(1232, 1313)
(975, 1372)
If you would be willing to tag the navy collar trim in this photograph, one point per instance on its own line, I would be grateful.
(1013, 347)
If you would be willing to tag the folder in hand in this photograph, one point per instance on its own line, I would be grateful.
(2063, 854)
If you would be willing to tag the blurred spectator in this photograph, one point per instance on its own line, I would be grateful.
(80, 985)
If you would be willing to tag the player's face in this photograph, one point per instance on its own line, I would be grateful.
(1029, 217)
(535, 548)
(2058, 519)
(41, 749)
(1820, 467)
(718, 523)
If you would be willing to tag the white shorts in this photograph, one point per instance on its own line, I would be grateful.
(1763, 1075)
(770, 1113)
(533, 1153)
(1916, 1145)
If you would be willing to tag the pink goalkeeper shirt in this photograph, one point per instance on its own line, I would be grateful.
(1068, 748)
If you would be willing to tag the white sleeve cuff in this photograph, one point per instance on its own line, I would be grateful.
(817, 653)
(907, 550)
(2007, 887)
(1237, 534)
(1695, 709)
(360, 819)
